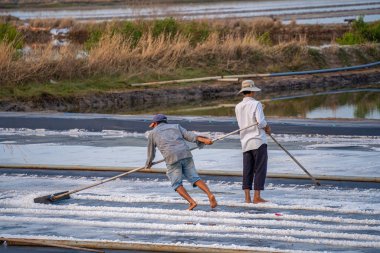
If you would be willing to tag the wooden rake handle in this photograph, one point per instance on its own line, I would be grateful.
(295, 160)
(46, 244)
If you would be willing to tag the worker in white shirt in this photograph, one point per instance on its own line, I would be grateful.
(253, 142)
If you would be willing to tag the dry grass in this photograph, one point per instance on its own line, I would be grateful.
(42, 64)
(52, 23)
(278, 32)
(6, 59)
(114, 55)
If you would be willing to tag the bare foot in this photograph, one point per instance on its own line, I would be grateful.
(213, 202)
(247, 193)
(259, 200)
(192, 206)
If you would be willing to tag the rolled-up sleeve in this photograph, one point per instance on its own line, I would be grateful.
(187, 135)
(151, 149)
(260, 118)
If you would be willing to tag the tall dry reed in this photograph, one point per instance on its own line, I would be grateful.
(7, 72)
(116, 55)
(39, 65)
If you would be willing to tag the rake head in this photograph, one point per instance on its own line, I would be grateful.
(48, 199)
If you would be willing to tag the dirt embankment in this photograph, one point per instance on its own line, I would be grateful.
(140, 99)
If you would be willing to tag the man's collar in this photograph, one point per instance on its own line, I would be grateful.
(248, 98)
(161, 124)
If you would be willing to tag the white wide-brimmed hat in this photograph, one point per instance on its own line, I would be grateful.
(248, 85)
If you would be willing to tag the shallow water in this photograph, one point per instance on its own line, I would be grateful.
(351, 104)
(342, 155)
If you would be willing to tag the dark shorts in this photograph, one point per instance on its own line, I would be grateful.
(255, 168)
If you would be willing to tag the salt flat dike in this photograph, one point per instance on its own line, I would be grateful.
(144, 98)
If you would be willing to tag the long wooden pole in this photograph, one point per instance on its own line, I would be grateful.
(210, 78)
(295, 160)
(146, 247)
(200, 172)
(47, 244)
(235, 78)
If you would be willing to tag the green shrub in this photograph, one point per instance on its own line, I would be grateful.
(93, 39)
(197, 32)
(9, 34)
(132, 31)
(167, 26)
(361, 32)
(359, 25)
(373, 32)
(370, 31)
(350, 38)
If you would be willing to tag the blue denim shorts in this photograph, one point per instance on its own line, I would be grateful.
(184, 168)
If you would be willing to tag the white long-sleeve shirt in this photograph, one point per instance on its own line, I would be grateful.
(248, 112)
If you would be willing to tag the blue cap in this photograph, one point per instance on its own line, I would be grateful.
(158, 118)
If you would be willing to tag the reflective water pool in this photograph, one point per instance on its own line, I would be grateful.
(351, 104)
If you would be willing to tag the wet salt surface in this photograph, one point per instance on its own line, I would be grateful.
(334, 155)
(143, 208)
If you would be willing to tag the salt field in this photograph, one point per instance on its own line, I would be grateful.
(343, 155)
(305, 11)
(142, 209)
(330, 123)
